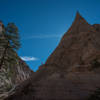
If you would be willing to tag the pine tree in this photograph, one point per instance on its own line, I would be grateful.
(10, 42)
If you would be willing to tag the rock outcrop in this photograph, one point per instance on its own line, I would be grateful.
(72, 71)
(12, 75)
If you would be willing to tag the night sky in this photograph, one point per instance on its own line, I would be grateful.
(42, 23)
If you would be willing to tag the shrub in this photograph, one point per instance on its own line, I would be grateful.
(95, 95)
(95, 64)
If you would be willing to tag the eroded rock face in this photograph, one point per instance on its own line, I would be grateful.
(77, 45)
(12, 75)
(72, 71)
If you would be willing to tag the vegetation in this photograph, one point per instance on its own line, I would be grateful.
(10, 42)
(95, 95)
(95, 64)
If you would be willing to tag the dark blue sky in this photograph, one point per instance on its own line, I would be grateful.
(42, 23)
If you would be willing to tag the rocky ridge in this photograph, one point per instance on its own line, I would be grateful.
(12, 75)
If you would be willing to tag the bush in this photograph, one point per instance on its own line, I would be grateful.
(96, 95)
(95, 64)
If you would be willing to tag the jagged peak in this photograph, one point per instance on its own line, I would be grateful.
(79, 18)
(79, 24)
(78, 14)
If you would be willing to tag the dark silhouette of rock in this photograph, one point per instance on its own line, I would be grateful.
(71, 71)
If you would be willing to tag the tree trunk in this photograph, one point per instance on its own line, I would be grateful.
(4, 53)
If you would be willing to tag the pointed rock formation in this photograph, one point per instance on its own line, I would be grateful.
(72, 71)
(79, 25)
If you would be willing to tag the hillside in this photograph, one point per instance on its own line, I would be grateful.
(11, 75)
(72, 71)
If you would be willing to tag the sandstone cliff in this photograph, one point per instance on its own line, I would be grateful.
(12, 75)
(72, 71)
